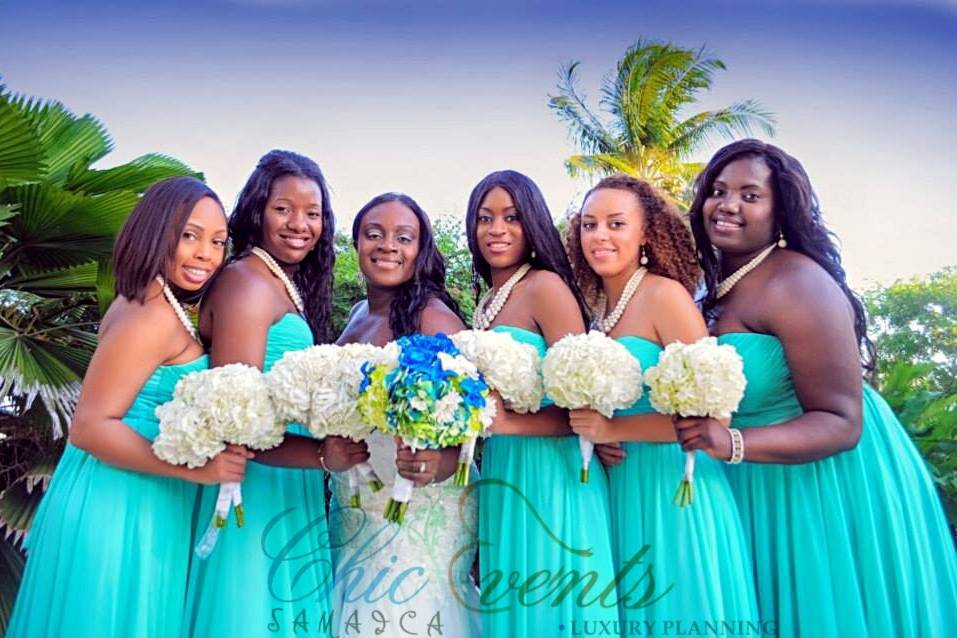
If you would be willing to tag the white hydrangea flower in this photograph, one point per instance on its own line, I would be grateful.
(210, 408)
(699, 379)
(591, 371)
(446, 406)
(509, 367)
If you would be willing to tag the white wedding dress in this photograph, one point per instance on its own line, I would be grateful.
(414, 578)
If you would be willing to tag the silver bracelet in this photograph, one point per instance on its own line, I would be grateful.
(737, 446)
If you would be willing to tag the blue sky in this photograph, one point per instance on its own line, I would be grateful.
(427, 97)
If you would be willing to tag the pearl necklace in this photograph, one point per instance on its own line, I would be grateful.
(286, 281)
(486, 311)
(726, 284)
(178, 309)
(605, 324)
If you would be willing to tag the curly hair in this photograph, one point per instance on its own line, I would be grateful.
(428, 279)
(669, 245)
(544, 243)
(797, 215)
(315, 273)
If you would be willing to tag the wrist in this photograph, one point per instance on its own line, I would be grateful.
(737, 446)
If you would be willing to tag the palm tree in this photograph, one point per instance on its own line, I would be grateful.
(58, 219)
(649, 135)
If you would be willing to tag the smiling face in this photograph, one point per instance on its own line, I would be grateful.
(612, 232)
(201, 248)
(292, 219)
(498, 230)
(388, 244)
(739, 211)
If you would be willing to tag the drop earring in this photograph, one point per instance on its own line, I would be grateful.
(782, 243)
(643, 260)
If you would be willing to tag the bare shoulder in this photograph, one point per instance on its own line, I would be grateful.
(674, 314)
(151, 328)
(437, 317)
(666, 291)
(795, 278)
(242, 292)
(545, 282)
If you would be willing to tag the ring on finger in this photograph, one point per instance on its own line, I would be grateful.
(422, 467)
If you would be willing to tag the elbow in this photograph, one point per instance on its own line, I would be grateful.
(851, 434)
(79, 436)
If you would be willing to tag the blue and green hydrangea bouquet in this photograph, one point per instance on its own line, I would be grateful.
(431, 398)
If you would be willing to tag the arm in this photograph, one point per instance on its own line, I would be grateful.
(808, 312)
(675, 318)
(124, 359)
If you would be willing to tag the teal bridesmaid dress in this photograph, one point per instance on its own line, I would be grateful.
(109, 548)
(545, 557)
(697, 555)
(273, 576)
(855, 544)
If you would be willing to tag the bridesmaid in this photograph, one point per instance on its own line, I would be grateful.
(634, 255)
(274, 296)
(536, 519)
(846, 529)
(110, 544)
(430, 556)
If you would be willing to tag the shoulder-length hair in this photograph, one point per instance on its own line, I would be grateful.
(797, 215)
(151, 234)
(428, 279)
(545, 249)
(315, 274)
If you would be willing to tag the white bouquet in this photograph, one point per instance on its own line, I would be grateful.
(212, 408)
(510, 368)
(591, 371)
(702, 379)
(318, 387)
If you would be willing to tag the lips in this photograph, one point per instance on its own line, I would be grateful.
(196, 275)
(386, 264)
(725, 224)
(603, 253)
(496, 247)
(296, 242)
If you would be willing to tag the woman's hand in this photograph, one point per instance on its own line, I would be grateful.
(339, 454)
(591, 425)
(229, 466)
(708, 435)
(610, 454)
(420, 467)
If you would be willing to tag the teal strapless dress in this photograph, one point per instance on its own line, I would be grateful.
(545, 555)
(855, 544)
(697, 555)
(277, 569)
(109, 548)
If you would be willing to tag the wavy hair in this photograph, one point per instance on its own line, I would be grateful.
(315, 273)
(151, 234)
(797, 215)
(428, 278)
(544, 243)
(669, 246)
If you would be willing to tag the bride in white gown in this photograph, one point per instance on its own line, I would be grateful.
(414, 578)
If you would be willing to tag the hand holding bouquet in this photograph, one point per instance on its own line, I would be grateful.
(591, 371)
(432, 397)
(702, 379)
(210, 409)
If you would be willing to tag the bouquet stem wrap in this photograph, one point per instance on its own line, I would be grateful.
(362, 472)
(462, 470)
(587, 448)
(401, 495)
(685, 493)
(230, 497)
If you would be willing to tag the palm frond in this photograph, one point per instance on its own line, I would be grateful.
(588, 132)
(105, 282)
(739, 119)
(136, 175)
(11, 571)
(21, 155)
(57, 282)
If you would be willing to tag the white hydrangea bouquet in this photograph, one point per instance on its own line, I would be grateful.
(210, 409)
(511, 368)
(319, 387)
(432, 398)
(701, 379)
(591, 371)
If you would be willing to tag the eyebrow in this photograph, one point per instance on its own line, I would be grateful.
(755, 185)
(489, 210)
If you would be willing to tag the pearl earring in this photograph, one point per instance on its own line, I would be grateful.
(533, 253)
(644, 257)
(782, 243)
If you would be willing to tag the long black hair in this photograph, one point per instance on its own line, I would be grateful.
(314, 276)
(428, 279)
(545, 249)
(797, 214)
(151, 234)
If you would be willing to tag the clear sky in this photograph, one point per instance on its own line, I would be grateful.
(427, 96)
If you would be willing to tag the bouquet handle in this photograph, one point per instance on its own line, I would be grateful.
(399, 503)
(230, 496)
(462, 470)
(685, 494)
(587, 448)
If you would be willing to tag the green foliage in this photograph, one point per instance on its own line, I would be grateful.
(649, 135)
(914, 324)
